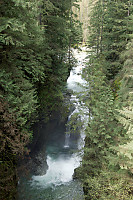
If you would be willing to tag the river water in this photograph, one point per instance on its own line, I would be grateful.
(62, 154)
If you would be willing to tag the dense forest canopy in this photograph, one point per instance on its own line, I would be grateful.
(36, 38)
(108, 96)
(35, 41)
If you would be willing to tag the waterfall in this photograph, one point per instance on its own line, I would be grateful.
(58, 182)
(67, 140)
(62, 168)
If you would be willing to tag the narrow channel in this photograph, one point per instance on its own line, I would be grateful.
(62, 153)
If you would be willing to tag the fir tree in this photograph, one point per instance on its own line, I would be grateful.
(109, 33)
(34, 41)
(125, 94)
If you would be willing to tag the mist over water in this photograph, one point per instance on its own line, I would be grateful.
(62, 158)
(60, 171)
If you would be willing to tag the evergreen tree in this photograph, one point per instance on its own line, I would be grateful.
(60, 29)
(115, 35)
(97, 12)
(21, 68)
(125, 94)
(103, 131)
(34, 41)
(109, 33)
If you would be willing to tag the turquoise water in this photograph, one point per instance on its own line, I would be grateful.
(69, 191)
(57, 183)
(62, 155)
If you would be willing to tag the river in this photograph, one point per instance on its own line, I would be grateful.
(62, 153)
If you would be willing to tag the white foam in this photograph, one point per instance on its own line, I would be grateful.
(59, 172)
(61, 169)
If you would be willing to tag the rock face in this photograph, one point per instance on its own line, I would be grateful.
(35, 162)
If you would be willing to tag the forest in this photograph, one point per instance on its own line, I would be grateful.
(36, 42)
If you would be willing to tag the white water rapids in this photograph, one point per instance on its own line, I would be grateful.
(58, 181)
(62, 168)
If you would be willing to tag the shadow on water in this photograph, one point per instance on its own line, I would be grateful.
(54, 157)
(57, 183)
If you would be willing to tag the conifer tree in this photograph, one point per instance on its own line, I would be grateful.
(22, 67)
(103, 130)
(60, 30)
(125, 94)
(34, 40)
(109, 33)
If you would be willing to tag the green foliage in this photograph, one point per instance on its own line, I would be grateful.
(35, 63)
(103, 133)
(20, 69)
(8, 181)
(125, 98)
(56, 16)
(109, 99)
(38, 60)
(114, 35)
(110, 28)
(20, 96)
(21, 65)
(110, 185)
(102, 130)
